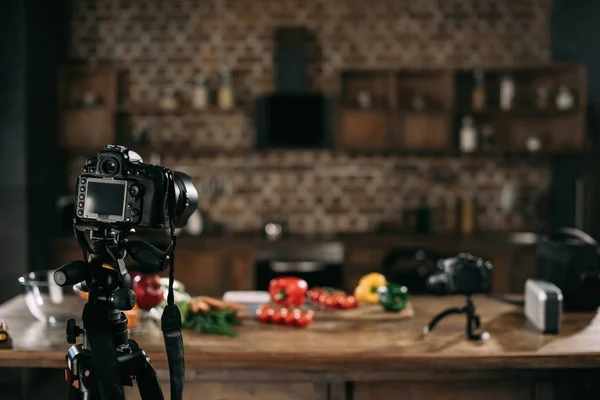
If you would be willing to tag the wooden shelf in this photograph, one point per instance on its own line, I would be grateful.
(520, 113)
(394, 125)
(154, 109)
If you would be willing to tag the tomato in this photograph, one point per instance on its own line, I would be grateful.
(303, 319)
(271, 313)
(323, 298)
(288, 290)
(315, 294)
(279, 315)
(347, 302)
(263, 314)
(148, 290)
(290, 316)
(332, 301)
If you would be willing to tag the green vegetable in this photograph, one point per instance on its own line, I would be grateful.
(213, 322)
(184, 308)
(392, 297)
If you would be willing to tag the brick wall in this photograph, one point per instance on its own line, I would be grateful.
(166, 43)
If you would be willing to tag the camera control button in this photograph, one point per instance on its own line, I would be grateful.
(83, 180)
(128, 219)
(134, 191)
(80, 204)
(80, 212)
(81, 197)
(82, 189)
(134, 212)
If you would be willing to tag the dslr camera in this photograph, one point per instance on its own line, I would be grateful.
(117, 190)
(463, 274)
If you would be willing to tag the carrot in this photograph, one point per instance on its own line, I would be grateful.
(222, 304)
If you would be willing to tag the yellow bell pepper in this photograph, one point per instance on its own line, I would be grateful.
(366, 291)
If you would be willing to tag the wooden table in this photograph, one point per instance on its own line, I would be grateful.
(334, 359)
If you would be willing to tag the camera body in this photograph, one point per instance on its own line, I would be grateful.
(463, 274)
(116, 189)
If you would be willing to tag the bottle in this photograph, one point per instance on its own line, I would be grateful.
(418, 102)
(564, 98)
(541, 100)
(225, 91)
(507, 93)
(200, 95)
(467, 136)
(479, 95)
(168, 101)
(487, 137)
(533, 144)
(363, 99)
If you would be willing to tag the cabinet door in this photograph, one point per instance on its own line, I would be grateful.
(200, 270)
(421, 131)
(363, 130)
(466, 390)
(241, 270)
(244, 391)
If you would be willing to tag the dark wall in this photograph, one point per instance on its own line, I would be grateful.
(13, 148)
(32, 41)
(575, 33)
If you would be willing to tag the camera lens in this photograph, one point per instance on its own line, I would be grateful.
(109, 166)
(186, 198)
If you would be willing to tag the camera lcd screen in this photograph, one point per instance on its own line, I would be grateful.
(105, 200)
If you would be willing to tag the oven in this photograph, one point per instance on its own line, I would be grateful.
(319, 264)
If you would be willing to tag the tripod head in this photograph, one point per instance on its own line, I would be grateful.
(103, 273)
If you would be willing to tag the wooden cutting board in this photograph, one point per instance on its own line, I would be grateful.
(366, 312)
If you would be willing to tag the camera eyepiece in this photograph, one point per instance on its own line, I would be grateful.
(109, 166)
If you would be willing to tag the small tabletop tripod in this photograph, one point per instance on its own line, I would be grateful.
(107, 359)
(473, 321)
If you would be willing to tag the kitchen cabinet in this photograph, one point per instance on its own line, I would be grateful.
(201, 271)
(420, 111)
(241, 390)
(212, 266)
(364, 130)
(421, 131)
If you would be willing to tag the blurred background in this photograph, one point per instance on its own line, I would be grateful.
(450, 124)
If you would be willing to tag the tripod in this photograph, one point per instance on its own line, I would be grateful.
(107, 359)
(473, 321)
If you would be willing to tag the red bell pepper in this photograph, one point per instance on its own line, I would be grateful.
(288, 290)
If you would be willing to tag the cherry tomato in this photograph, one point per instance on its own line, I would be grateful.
(290, 316)
(347, 302)
(323, 298)
(271, 313)
(303, 319)
(314, 294)
(279, 316)
(263, 314)
(332, 301)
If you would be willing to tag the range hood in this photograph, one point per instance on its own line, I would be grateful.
(293, 117)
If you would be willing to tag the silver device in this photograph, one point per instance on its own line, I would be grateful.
(543, 305)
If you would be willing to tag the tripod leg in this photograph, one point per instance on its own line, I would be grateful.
(147, 382)
(429, 327)
(473, 322)
(74, 393)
